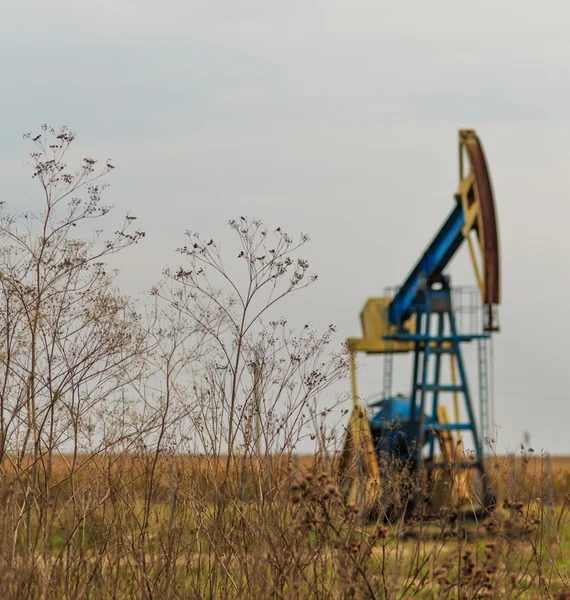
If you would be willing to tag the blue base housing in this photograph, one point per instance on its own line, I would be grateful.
(393, 433)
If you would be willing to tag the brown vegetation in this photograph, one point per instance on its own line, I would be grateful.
(147, 450)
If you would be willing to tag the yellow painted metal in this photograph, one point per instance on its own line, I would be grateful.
(358, 448)
(374, 315)
(375, 325)
(358, 468)
(353, 379)
(374, 320)
(469, 196)
(455, 394)
(475, 261)
(446, 441)
(451, 487)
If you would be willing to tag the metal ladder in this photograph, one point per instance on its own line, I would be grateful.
(387, 374)
(388, 371)
(484, 407)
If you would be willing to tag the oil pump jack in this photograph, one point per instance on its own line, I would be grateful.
(420, 319)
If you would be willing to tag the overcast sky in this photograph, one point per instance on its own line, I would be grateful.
(335, 118)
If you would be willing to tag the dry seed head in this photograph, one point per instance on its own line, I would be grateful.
(490, 526)
(382, 531)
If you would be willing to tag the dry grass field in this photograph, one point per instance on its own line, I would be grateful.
(131, 526)
(525, 472)
(207, 360)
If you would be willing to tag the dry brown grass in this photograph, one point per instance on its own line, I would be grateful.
(528, 469)
(207, 361)
(113, 529)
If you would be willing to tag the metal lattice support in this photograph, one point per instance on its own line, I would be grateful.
(388, 372)
(437, 335)
(484, 404)
(447, 340)
(421, 318)
(388, 375)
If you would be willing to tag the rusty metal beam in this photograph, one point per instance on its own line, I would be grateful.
(486, 226)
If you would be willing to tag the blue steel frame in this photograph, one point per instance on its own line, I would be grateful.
(430, 266)
(420, 296)
(436, 305)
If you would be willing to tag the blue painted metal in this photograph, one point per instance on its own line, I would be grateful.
(421, 420)
(452, 427)
(437, 374)
(443, 388)
(403, 426)
(418, 296)
(426, 295)
(433, 338)
(394, 432)
(434, 260)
